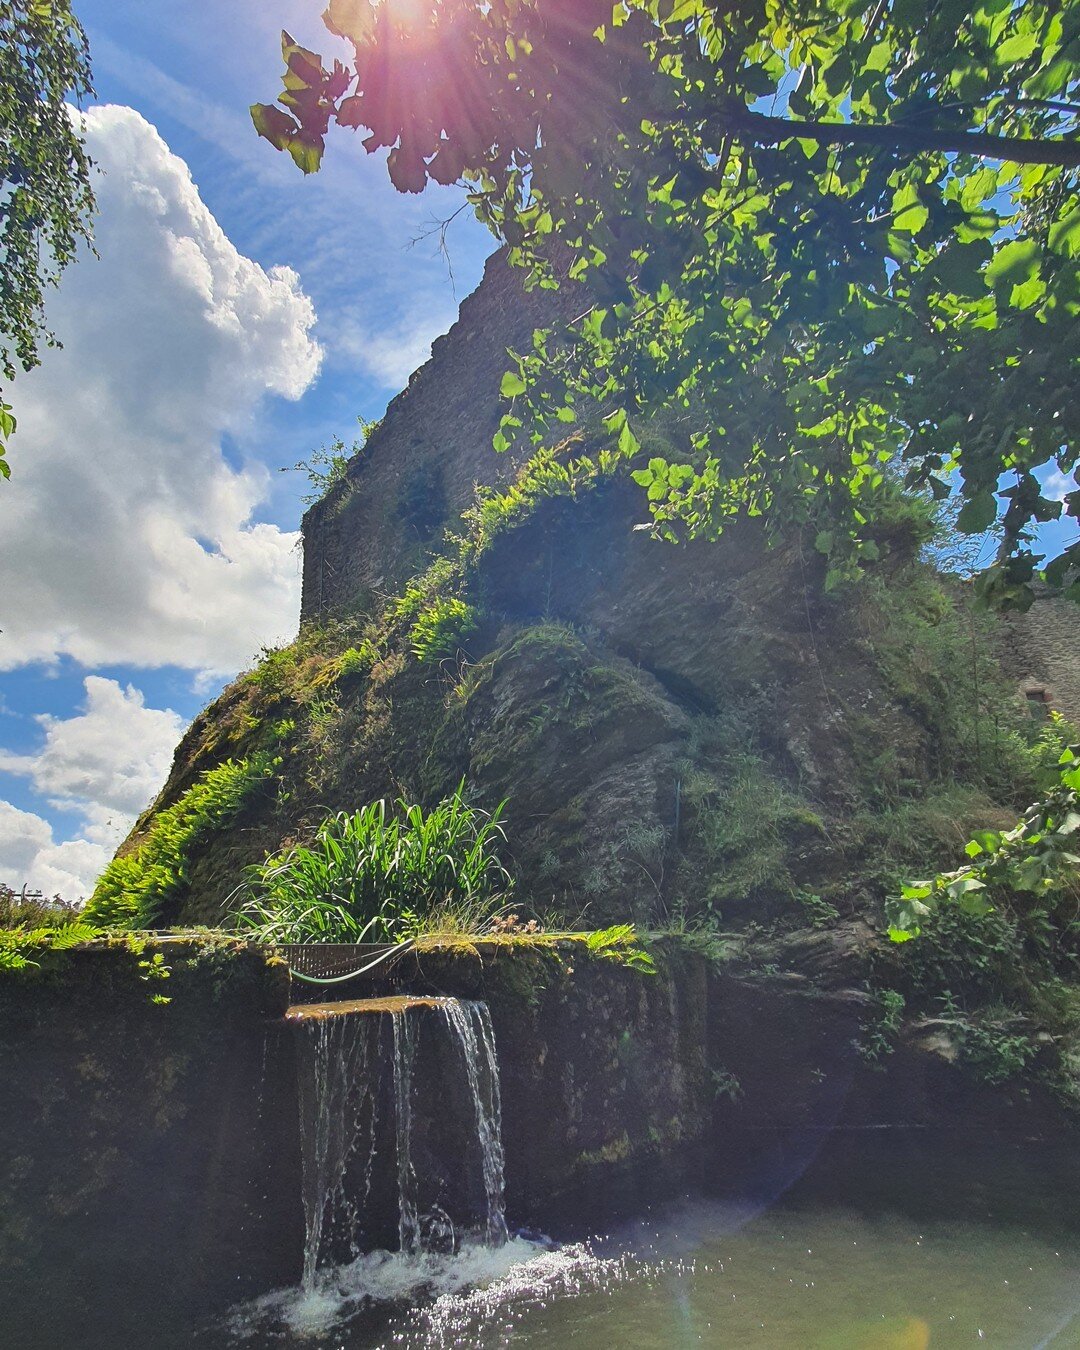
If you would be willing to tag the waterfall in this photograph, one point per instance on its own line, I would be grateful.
(404, 1045)
(470, 1024)
(433, 1063)
(332, 1097)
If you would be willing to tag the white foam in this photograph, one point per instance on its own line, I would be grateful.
(532, 1283)
(395, 1278)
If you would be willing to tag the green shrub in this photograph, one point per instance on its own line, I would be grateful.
(423, 590)
(318, 655)
(1033, 867)
(134, 889)
(819, 912)
(980, 956)
(548, 474)
(738, 820)
(883, 1024)
(373, 875)
(329, 465)
(997, 1048)
(27, 909)
(620, 944)
(359, 659)
(938, 656)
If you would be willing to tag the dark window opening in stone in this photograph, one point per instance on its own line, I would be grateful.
(1038, 702)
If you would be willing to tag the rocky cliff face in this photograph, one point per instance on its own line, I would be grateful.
(695, 737)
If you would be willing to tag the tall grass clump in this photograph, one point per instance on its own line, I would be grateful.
(375, 874)
(30, 909)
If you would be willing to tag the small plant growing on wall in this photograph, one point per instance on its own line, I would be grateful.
(373, 874)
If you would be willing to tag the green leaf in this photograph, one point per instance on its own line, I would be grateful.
(959, 267)
(512, 384)
(593, 324)
(978, 514)
(964, 885)
(628, 442)
(1064, 235)
(1016, 48)
(273, 125)
(354, 20)
(307, 155)
(1014, 263)
(909, 214)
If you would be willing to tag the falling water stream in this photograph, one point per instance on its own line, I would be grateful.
(341, 1060)
(471, 1029)
(700, 1273)
(332, 1097)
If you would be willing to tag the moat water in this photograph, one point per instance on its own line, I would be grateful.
(804, 1275)
(700, 1274)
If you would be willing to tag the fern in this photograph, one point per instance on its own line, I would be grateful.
(134, 889)
(20, 946)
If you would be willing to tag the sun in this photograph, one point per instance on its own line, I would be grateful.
(358, 20)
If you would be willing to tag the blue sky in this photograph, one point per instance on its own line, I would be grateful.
(192, 371)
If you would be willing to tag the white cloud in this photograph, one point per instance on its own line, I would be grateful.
(346, 227)
(390, 353)
(1057, 485)
(104, 765)
(30, 856)
(227, 126)
(128, 536)
(114, 754)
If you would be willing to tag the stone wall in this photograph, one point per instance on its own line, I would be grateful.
(150, 1155)
(141, 1160)
(1041, 651)
(419, 469)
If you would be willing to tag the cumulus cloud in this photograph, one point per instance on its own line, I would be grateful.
(30, 856)
(130, 538)
(103, 765)
(114, 754)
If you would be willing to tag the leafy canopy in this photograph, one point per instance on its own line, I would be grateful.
(811, 240)
(46, 201)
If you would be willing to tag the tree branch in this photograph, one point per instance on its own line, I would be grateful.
(740, 121)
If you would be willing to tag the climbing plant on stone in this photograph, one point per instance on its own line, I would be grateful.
(1038, 860)
(812, 241)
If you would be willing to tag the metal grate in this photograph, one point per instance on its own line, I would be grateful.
(332, 962)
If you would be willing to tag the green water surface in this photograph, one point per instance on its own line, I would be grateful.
(703, 1274)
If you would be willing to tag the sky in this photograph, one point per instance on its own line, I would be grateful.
(238, 317)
